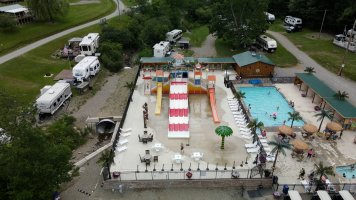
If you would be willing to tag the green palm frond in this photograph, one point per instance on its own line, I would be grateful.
(279, 146)
(223, 131)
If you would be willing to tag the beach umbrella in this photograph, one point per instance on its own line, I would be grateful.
(310, 128)
(285, 130)
(298, 144)
(334, 126)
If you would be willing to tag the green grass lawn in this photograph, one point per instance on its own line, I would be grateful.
(223, 49)
(77, 14)
(197, 35)
(129, 3)
(322, 50)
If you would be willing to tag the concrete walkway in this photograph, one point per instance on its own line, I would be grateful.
(207, 49)
(43, 41)
(332, 80)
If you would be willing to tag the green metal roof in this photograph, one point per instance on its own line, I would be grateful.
(156, 60)
(247, 58)
(216, 60)
(343, 107)
(189, 59)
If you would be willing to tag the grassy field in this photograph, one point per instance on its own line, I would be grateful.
(197, 35)
(78, 14)
(129, 3)
(223, 49)
(321, 50)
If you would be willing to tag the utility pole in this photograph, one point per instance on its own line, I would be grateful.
(347, 48)
(322, 23)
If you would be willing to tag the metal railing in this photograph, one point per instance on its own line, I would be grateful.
(312, 188)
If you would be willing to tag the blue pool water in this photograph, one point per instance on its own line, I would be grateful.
(264, 102)
(347, 170)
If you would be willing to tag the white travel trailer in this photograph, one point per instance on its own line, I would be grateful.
(53, 97)
(293, 21)
(174, 36)
(267, 43)
(342, 41)
(270, 17)
(89, 44)
(161, 49)
(87, 67)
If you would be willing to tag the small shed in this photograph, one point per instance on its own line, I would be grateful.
(251, 64)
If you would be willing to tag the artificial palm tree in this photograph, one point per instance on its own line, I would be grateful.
(130, 86)
(239, 95)
(294, 116)
(323, 170)
(341, 95)
(323, 113)
(106, 158)
(223, 131)
(279, 147)
(309, 70)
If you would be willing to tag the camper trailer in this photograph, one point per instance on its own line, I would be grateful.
(293, 22)
(174, 36)
(89, 44)
(161, 49)
(342, 40)
(53, 97)
(270, 17)
(267, 43)
(87, 67)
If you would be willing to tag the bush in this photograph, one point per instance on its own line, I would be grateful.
(7, 24)
(111, 58)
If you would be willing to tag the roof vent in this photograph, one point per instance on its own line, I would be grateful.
(253, 54)
(50, 91)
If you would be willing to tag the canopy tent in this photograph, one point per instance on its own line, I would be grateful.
(310, 128)
(300, 145)
(334, 126)
(285, 130)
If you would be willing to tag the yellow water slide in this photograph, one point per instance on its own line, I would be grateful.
(159, 99)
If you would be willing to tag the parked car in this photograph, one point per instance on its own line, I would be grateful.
(292, 29)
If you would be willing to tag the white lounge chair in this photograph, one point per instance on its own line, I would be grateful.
(267, 149)
(263, 141)
(247, 137)
(125, 134)
(270, 158)
(253, 145)
(253, 150)
(125, 130)
(121, 149)
(124, 141)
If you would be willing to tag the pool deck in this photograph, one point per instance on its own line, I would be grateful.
(203, 138)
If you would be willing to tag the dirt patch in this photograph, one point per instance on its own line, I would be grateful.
(207, 49)
(315, 36)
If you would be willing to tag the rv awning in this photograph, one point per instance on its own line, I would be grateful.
(343, 107)
(323, 195)
(294, 195)
(346, 195)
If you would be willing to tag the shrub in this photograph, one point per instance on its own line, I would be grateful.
(7, 24)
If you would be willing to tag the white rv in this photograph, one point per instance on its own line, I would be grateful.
(87, 67)
(161, 49)
(174, 36)
(89, 44)
(267, 43)
(53, 97)
(343, 41)
(293, 21)
(270, 17)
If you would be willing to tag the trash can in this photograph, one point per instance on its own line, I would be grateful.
(275, 179)
(285, 189)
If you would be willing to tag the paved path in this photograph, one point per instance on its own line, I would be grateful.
(332, 80)
(207, 49)
(43, 41)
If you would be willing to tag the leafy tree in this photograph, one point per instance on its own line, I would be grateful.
(123, 36)
(254, 124)
(322, 170)
(341, 95)
(239, 21)
(7, 24)
(239, 95)
(294, 116)
(48, 9)
(223, 131)
(111, 57)
(309, 70)
(155, 30)
(279, 147)
(323, 113)
(106, 158)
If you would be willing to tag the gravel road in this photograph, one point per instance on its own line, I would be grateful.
(207, 49)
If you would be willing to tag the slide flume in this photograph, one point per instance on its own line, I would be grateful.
(159, 99)
(213, 105)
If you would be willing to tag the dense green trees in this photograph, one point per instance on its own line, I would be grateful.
(239, 21)
(339, 12)
(35, 160)
(48, 10)
(7, 24)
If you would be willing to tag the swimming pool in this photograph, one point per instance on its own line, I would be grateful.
(347, 170)
(264, 102)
